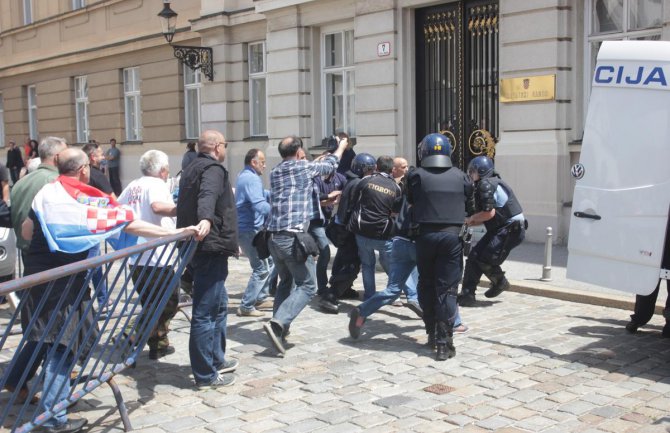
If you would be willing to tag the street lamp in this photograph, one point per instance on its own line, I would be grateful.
(193, 57)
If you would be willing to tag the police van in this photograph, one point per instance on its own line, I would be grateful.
(619, 226)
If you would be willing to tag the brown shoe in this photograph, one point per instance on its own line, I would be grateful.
(265, 305)
(250, 313)
(23, 395)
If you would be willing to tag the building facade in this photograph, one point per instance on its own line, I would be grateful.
(385, 71)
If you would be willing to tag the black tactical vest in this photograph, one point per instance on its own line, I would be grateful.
(510, 209)
(438, 195)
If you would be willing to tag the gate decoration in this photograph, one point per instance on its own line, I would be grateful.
(457, 75)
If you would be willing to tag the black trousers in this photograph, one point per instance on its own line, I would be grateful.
(645, 305)
(440, 263)
(115, 180)
(489, 253)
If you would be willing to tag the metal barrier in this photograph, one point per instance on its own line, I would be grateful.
(106, 344)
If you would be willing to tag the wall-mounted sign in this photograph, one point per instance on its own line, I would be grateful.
(537, 88)
(383, 49)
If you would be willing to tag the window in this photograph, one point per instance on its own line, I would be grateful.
(192, 85)
(338, 82)
(2, 122)
(258, 115)
(81, 108)
(133, 111)
(27, 12)
(32, 112)
(78, 4)
(616, 20)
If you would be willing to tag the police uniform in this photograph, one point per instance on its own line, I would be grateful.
(438, 193)
(505, 231)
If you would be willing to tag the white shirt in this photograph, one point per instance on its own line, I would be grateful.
(139, 195)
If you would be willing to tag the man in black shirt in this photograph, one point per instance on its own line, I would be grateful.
(376, 198)
(14, 161)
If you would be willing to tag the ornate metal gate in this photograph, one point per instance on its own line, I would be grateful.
(457, 75)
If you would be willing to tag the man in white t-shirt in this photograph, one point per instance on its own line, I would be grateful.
(151, 200)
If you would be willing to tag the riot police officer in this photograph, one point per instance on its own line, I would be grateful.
(499, 210)
(438, 192)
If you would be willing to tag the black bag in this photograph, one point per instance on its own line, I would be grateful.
(304, 246)
(5, 215)
(260, 242)
(338, 234)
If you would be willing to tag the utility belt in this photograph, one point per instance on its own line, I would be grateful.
(434, 228)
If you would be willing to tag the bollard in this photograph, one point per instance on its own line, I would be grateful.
(546, 269)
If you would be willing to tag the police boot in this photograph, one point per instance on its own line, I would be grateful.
(445, 343)
(329, 303)
(470, 280)
(498, 284)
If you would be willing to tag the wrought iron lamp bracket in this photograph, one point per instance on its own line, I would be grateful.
(196, 58)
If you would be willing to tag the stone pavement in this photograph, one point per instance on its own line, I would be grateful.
(527, 364)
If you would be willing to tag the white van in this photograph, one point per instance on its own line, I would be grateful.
(622, 196)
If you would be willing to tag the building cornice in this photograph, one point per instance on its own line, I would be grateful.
(270, 5)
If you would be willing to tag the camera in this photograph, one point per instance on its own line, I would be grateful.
(332, 143)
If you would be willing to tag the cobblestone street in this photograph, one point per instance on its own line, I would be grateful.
(527, 363)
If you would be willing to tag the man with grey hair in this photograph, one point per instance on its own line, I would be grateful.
(151, 201)
(22, 195)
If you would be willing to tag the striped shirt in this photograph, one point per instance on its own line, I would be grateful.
(291, 189)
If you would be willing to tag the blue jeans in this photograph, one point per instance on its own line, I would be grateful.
(97, 278)
(258, 287)
(366, 253)
(56, 384)
(289, 303)
(440, 263)
(207, 343)
(403, 275)
(319, 234)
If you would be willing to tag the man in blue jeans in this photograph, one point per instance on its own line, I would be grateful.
(206, 200)
(376, 198)
(292, 189)
(253, 208)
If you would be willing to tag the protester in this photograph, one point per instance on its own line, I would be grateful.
(253, 207)
(189, 155)
(292, 186)
(113, 157)
(14, 161)
(377, 197)
(54, 206)
(98, 180)
(22, 195)
(151, 201)
(206, 200)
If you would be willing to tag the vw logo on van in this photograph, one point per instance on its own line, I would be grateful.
(577, 171)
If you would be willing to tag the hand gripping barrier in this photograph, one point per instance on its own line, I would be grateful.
(62, 329)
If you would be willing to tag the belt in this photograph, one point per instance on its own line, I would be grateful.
(432, 228)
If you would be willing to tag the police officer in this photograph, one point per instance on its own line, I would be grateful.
(439, 193)
(500, 212)
(346, 264)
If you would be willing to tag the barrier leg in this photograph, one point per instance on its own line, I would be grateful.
(123, 411)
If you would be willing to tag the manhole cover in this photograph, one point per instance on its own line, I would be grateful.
(439, 389)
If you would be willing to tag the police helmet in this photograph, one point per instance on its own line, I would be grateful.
(483, 165)
(362, 163)
(435, 151)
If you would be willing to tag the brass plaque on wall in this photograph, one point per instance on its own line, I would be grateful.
(537, 88)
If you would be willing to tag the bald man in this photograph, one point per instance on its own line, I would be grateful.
(400, 168)
(206, 200)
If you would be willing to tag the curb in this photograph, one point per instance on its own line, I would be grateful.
(609, 300)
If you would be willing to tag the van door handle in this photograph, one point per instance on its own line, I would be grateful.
(587, 215)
